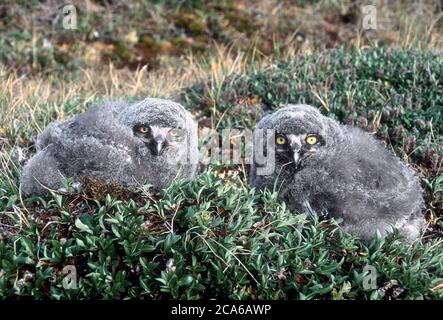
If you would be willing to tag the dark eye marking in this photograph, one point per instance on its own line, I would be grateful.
(280, 139)
(312, 139)
(142, 129)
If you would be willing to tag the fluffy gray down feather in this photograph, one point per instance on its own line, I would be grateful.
(351, 176)
(100, 143)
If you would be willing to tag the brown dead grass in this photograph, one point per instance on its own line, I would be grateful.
(24, 97)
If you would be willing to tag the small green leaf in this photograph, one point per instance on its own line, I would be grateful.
(82, 227)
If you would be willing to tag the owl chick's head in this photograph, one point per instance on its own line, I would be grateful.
(302, 134)
(162, 125)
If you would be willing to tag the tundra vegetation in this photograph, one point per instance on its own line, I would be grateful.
(228, 63)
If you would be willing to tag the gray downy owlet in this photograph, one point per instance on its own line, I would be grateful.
(152, 141)
(324, 167)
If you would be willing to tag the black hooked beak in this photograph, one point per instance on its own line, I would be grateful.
(296, 152)
(157, 146)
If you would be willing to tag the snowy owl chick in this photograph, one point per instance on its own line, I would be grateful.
(152, 141)
(324, 167)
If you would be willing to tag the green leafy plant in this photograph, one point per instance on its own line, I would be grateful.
(217, 238)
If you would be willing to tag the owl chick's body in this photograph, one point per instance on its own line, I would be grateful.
(341, 171)
(129, 144)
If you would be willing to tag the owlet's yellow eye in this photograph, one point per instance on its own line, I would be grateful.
(143, 129)
(173, 133)
(280, 140)
(311, 140)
